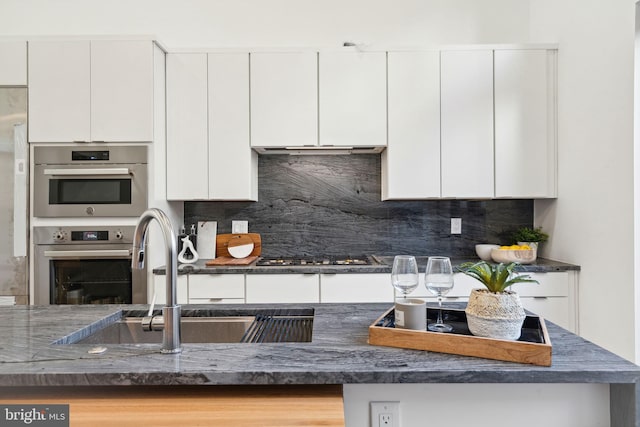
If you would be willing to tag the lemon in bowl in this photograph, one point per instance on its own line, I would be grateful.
(522, 254)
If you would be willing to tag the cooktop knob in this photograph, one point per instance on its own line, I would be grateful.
(90, 210)
(59, 236)
(119, 235)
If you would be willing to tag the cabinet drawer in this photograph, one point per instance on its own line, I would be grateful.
(216, 286)
(283, 288)
(551, 285)
(216, 300)
(356, 288)
(554, 284)
(160, 289)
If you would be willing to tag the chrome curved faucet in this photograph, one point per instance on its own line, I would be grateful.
(171, 310)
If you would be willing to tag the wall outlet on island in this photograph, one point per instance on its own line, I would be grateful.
(456, 225)
(239, 227)
(385, 414)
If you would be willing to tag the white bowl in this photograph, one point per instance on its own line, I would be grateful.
(484, 251)
(522, 256)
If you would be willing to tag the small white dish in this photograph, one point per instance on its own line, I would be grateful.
(483, 250)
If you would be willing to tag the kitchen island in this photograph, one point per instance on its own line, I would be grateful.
(338, 355)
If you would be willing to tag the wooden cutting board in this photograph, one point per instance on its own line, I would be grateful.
(222, 243)
(225, 260)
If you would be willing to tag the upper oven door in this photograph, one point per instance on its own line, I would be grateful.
(89, 180)
(90, 190)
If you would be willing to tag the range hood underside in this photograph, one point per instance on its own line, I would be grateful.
(319, 150)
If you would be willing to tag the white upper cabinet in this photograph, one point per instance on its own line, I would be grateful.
(411, 162)
(91, 91)
(525, 126)
(467, 123)
(13, 57)
(59, 91)
(353, 98)
(208, 149)
(233, 166)
(187, 116)
(121, 91)
(284, 99)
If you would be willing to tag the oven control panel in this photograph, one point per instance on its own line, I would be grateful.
(83, 235)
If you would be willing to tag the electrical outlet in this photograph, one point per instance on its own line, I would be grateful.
(385, 414)
(239, 227)
(456, 225)
(386, 420)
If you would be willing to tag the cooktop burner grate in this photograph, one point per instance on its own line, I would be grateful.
(314, 261)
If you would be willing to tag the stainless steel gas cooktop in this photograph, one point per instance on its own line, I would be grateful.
(314, 260)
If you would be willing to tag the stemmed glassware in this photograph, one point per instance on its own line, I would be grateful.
(439, 281)
(404, 275)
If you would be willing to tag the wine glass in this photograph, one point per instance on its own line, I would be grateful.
(439, 281)
(404, 275)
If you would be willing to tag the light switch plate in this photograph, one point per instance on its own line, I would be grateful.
(456, 225)
(238, 227)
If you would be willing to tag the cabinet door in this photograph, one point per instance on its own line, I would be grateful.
(411, 162)
(13, 57)
(356, 288)
(122, 91)
(525, 137)
(353, 98)
(282, 288)
(187, 134)
(467, 123)
(59, 91)
(233, 166)
(284, 99)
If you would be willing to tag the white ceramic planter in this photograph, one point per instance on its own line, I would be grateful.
(495, 315)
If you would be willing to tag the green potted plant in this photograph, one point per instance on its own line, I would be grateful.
(495, 312)
(530, 236)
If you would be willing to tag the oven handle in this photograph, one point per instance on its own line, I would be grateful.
(97, 171)
(96, 253)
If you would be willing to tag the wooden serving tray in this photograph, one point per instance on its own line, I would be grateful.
(533, 347)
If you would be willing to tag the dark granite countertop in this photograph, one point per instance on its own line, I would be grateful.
(381, 264)
(338, 354)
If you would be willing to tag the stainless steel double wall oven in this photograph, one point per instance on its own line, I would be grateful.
(88, 264)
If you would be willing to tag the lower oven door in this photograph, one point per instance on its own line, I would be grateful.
(82, 274)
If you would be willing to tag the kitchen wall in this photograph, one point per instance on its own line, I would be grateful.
(593, 217)
(312, 205)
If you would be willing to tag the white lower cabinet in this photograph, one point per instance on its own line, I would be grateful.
(554, 298)
(160, 288)
(356, 288)
(216, 288)
(283, 288)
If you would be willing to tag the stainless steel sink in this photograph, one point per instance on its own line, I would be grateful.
(203, 326)
(193, 330)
